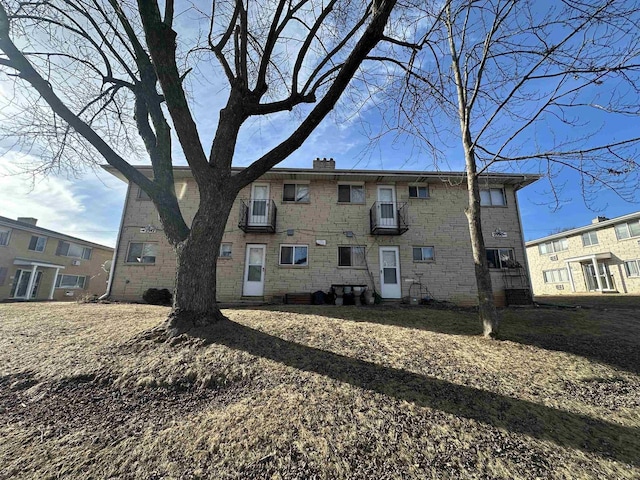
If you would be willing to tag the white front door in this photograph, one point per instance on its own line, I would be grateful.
(390, 286)
(387, 210)
(254, 271)
(259, 204)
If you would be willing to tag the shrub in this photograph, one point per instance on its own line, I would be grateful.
(155, 296)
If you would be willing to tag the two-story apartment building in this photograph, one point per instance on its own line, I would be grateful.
(303, 230)
(40, 264)
(601, 257)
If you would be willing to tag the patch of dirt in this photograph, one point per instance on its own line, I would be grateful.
(87, 403)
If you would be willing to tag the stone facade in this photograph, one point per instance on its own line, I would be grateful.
(578, 252)
(45, 259)
(324, 224)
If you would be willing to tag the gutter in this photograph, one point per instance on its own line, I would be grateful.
(107, 294)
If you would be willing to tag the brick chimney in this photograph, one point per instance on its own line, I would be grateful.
(28, 220)
(599, 219)
(324, 164)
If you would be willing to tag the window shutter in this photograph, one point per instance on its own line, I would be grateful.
(63, 248)
(3, 275)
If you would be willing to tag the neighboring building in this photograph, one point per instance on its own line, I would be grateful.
(39, 264)
(303, 230)
(601, 257)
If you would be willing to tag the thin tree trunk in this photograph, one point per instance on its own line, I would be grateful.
(486, 305)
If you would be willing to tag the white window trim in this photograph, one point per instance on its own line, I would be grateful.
(294, 245)
(230, 252)
(357, 267)
(428, 260)
(141, 263)
(418, 187)
(637, 262)
(589, 235)
(626, 224)
(352, 184)
(555, 270)
(554, 251)
(76, 287)
(297, 184)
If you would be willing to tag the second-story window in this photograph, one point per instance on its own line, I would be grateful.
(589, 238)
(492, 197)
(351, 193)
(294, 192)
(37, 244)
(421, 191)
(628, 230)
(4, 236)
(553, 246)
(67, 249)
(142, 252)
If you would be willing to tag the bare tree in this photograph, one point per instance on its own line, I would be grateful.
(98, 75)
(531, 87)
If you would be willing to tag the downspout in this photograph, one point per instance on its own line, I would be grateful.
(115, 250)
(524, 247)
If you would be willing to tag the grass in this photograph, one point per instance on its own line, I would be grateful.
(319, 392)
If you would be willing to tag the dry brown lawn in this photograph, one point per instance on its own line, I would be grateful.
(319, 392)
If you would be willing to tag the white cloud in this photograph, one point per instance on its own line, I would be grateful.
(88, 208)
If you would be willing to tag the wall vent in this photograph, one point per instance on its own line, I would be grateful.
(553, 258)
(559, 287)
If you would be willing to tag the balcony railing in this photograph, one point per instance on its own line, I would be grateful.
(388, 218)
(258, 216)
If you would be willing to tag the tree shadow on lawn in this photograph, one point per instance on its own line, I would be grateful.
(610, 337)
(566, 429)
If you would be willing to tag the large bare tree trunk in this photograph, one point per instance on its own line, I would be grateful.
(195, 303)
(486, 305)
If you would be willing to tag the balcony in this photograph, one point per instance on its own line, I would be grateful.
(258, 216)
(388, 218)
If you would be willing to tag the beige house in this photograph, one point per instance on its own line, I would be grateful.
(40, 264)
(601, 257)
(399, 233)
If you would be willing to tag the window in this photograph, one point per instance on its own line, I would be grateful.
(633, 268)
(4, 236)
(73, 250)
(351, 193)
(70, 281)
(142, 195)
(419, 192)
(553, 246)
(293, 255)
(589, 238)
(294, 192)
(628, 230)
(423, 254)
(351, 256)
(559, 275)
(492, 197)
(142, 253)
(500, 258)
(37, 243)
(225, 250)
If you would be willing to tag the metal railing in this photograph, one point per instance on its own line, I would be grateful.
(388, 218)
(258, 216)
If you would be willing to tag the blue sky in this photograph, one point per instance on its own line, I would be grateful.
(89, 205)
